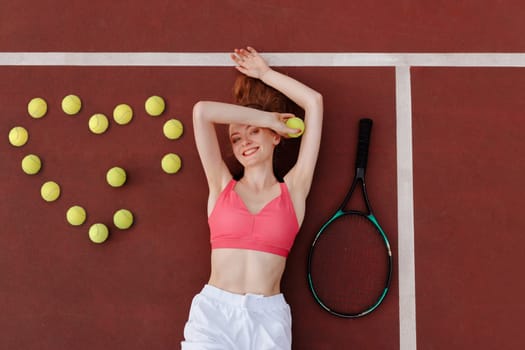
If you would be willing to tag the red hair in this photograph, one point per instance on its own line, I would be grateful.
(251, 92)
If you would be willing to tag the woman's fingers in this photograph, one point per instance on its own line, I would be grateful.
(249, 62)
(234, 58)
(252, 51)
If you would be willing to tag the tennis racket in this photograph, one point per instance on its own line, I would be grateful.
(350, 261)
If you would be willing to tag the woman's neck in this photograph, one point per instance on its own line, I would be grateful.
(258, 177)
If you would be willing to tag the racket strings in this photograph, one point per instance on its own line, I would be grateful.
(349, 265)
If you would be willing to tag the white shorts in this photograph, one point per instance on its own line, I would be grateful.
(223, 320)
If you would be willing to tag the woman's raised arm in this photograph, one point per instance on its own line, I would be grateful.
(300, 177)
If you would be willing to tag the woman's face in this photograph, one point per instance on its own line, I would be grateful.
(252, 144)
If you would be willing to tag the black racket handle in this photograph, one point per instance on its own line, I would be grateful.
(365, 128)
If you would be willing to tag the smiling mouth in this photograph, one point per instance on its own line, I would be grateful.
(250, 151)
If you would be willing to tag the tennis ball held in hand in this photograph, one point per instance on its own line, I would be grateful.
(295, 123)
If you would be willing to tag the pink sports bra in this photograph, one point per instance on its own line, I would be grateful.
(272, 230)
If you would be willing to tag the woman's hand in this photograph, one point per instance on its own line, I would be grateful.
(280, 127)
(249, 62)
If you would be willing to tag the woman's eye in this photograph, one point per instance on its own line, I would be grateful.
(235, 140)
(254, 131)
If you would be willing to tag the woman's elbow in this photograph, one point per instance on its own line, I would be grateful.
(315, 102)
(200, 111)
(318, 98)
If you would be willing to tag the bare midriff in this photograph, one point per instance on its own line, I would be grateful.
(243, 271)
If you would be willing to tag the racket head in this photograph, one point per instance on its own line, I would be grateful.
(350, 265)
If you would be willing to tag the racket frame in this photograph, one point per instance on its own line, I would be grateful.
(365, 128)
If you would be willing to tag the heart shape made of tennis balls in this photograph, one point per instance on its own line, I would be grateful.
(116, 177)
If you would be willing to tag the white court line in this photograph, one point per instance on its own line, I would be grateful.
(405, 214)
(303, 59)
(402, 63)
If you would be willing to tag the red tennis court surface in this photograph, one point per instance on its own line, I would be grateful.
(60, 291)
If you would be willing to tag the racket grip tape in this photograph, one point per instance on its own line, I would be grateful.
(365, 129)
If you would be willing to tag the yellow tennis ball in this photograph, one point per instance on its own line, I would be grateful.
(155, 106)
(76, 215)
(171, 163)
(98, 233)
(50, 191)
(295, 123)
(18, 136)
(37, 107)
(116, 176)
(173, 129)
(71, 104)
(122, 114)
(123, 219)
(98, 123)
(31, 164)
